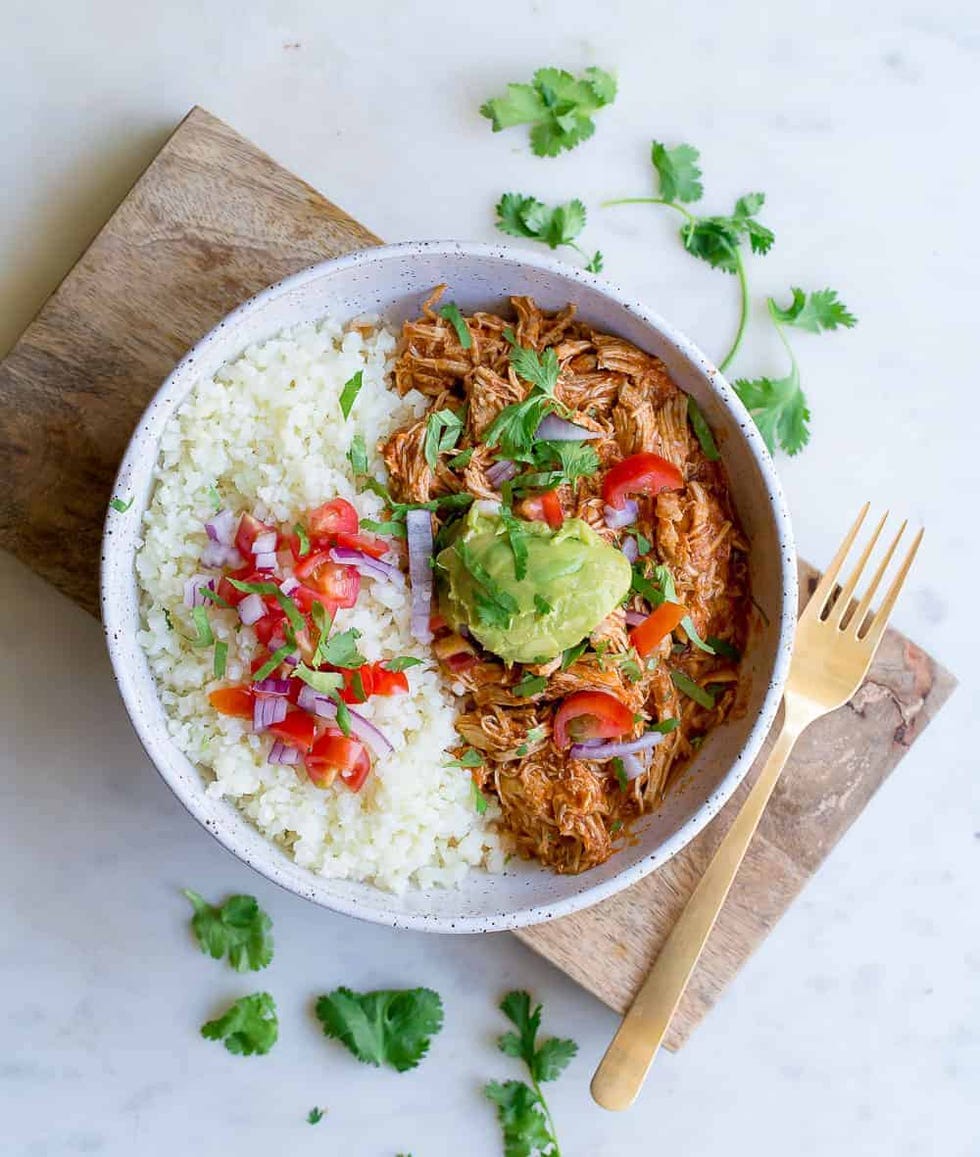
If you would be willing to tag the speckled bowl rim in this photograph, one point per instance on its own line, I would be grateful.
(588, 895)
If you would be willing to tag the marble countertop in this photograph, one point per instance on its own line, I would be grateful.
(856, 1029)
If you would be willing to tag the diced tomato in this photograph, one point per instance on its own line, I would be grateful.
(359, 689)
(304, 598)
(332, 518)
(454, 652)
(385, 682)
(249, 529)
(543, 508)
(642, 473)
(656, 627)
(437, 623)
(336, 754)
(370, 544)
(340, 584)
(232, 701)
(269, 625)
(232, 595)
(298, 730)
(591, 715)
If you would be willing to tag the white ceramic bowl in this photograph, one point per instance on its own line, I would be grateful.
(393, 281)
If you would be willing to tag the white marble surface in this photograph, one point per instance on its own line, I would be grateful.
(856, 1030)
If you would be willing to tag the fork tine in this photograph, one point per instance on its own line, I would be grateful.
(839, 609)
(826, 584)
(865, 604)
(880, 621)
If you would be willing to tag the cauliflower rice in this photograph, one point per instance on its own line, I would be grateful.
(267, 433)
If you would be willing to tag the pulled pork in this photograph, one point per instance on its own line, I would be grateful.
(566, 812)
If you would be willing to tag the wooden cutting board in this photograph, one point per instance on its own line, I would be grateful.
(210, 222)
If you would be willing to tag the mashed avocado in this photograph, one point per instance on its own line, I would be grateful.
(573, 580)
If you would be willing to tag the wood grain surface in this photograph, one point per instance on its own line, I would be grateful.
(210, 222)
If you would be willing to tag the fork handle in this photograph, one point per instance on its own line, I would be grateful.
(622, 1070)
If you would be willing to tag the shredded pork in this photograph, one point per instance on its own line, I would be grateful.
(570, 813)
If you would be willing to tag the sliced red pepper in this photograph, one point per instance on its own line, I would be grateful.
(332, 518)
(297, 730)
(591, 715)
(235, 701)
(646, 636)
(642, 473)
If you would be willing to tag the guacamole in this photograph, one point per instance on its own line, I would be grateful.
(573, 580)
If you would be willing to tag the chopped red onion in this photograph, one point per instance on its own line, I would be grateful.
(502, 471)
(603, 751)
(630, 549)
(617, 519)
(276, 642)
(368, 566)
(369, 734)
(271, 687)
(634, 618)
(292, 659)
(265, 543)
(283, 753)
(216, 554)
(193, 587)
(267, 560)
(288, 585)
(221, 528)
(251, 609)
(267, 711)
(316, 703)
(419, 529)
(555, 429)
(632, 766)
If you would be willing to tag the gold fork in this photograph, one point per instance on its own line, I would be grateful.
(832, 653)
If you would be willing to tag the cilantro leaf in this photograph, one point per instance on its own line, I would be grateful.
(272, 663)
(479, 799)
(348, 395)
(520, 1111)
(519, 215)
(545, 1063)
(303, 538)
(442, 431)
(402, 663)
(517, 537)
(724, 648)
(779, 408)
(530, 685)
(249, 1026)
(341, 650)
(541, 370)
(816, 311)
(678, 170)
(205, 636)
(357, 455)
(393, 529)
(665, 726)
(324, 682)
(238, 929)
(541, 605)
(491, 588)
(573, 654)
(621, 777)
(470, 758)
(553, 1057)
(686, 685)
(392, 1027)
(702, 430)
(461, 460)
(712, 239)
(556, 105)
(315, 1115)
(118, 505)
(220, 658)
(450, 311)
(513, 429)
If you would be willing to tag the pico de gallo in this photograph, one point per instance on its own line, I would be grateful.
(287, 585)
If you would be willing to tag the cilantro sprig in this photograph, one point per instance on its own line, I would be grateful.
(513, 429)
(718, 240)
(779, 405)
(519, 215)
(522, 1111)
(558, 107)
(238, 929)
(250, 1026)
(392, 1026)
(443, 429)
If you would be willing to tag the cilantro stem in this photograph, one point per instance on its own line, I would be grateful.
(743, 313)
(794, 367)
(556, 1150)
(649, 201)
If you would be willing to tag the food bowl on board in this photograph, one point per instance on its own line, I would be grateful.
(393, 281)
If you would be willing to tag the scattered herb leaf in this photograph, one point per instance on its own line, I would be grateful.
(542, 606)
(442, 431)
(530, 685)
(238, 929)
(392, 1027)
(450, 311)
(572, 654)
(323, 682)
(205, 636)
(686, 684)
(272, 663)
(341, 650)
(479, 799)
(117, 504)
(470, 758)
(357, 455)
(622, 778)
(315, 1115)
(519, 215)
(724, 648)
(220, 658)
(402, 663)
(702, 430)
(348, 395)
(304, 539)
(249, 1026)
